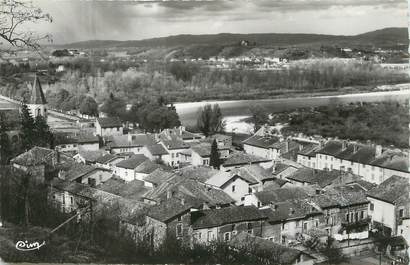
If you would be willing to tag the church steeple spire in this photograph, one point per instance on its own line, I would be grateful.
(37, 103)
(37, 94)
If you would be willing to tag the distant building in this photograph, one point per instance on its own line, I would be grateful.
(390, 204)
(368, 161)
(127, 169)
(108, 126)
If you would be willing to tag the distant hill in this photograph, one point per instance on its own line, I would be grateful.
(388, 37)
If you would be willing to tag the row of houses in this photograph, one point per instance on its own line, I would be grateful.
(372, 162)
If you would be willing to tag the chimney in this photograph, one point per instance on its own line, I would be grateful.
(287, 145)
(344, 145)
(169, 194)
(378, 151)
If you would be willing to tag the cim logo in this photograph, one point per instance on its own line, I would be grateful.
(27, 246)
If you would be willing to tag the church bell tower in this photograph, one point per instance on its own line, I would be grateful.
(37, 103)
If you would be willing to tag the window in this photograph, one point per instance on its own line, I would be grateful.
(401, 213)
(362, 215)
(316, 223)
(205, 162)
(172, 154)
(356, 216)
(371, 207)
(305, 226)
(209, 236)
(233, 188)
(259, 204)
(351, 163)
(71, 200)
(271, 238)
(176, 155)
(227, 236)
(249, 190)
(179, 230)
(179, 219)
(118, 129)
(347, 217)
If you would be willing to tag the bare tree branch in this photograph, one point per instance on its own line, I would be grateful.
(15, 16)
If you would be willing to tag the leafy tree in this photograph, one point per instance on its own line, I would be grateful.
(114, 107)
(5, 145)
(215, 159)
(27, 128)
(259, 117)
(89, 107)
(210, 120)
(333, 254)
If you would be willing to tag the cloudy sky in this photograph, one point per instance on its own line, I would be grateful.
(76, 20)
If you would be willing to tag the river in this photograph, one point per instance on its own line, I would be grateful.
(236, 110)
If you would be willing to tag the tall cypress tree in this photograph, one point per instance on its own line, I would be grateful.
(42, 134)
(27, 128)
(215, 159)
(5, 145)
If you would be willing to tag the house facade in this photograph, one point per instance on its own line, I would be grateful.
(108, 126)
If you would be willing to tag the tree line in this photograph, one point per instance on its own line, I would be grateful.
(385, 123)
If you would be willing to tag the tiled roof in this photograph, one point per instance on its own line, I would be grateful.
(126, 206)
(174, 143)
(138, 140)
(311, 176)
(261, 141)
(78, 170)
(91, 156)
(390, 159)
(133, 190)
(391, 190)
(282, 194)
(203, 149)
(218, 180)
(173, 207)
(245, 241)
(105, 158)
(252, 173)
(331, 148)
(198, 173)
(147, 167)
(132, 162)
(109, 122)
(290, 209)
(182, 186)
(362, 183)
(86, 138)
(157, 149)
(158, 176)
(349, 195)
(180, 133)
(239, 158)
(309, 150)
(227, 215)
(37, 94)
(34, 156)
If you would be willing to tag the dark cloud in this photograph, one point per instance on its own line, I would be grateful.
(103, 19)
